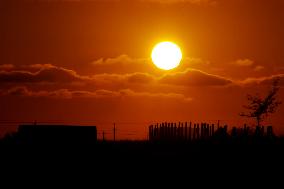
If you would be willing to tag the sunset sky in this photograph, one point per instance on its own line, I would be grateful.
(89, 62)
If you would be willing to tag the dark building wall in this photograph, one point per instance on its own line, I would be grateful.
(57, 134)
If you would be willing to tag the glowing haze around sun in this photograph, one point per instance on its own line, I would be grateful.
(166, 55)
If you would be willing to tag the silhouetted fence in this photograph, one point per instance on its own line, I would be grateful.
(187, 131)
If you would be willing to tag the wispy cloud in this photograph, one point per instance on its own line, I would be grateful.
(258, 68)
(196, 2)
(99, 94)
(243, 62)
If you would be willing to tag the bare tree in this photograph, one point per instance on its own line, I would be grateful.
(259, 108)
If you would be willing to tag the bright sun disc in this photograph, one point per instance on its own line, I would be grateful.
(166, 55)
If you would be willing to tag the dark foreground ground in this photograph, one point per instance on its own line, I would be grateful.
(144, 162)
(201, 153)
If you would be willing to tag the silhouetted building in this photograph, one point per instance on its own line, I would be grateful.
(56, 134)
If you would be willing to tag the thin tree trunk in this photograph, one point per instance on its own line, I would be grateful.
(258, 121)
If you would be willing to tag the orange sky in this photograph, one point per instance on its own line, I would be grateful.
(88, 61)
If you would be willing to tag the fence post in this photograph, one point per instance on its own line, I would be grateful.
(269, 131)
(248, 131)
(194, 131)
(245, 134)
(114, 132)
(201, 130)
(175, 131)
(234, 133)
(158, 131)
(155, 132)
(204, 130)
(151, 132)
(185, 131)
(207, 131)
(178, 131)
(172, 130)
(262, 131)
(212, 130)
(257, 131)
(225, 130)
(166, 130)
(189, 133)
(161, 131)
(197, 131)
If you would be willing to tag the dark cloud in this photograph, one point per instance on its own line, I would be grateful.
(15, 76)
(69, 94)
(263, 80)
(121, 81)
(59, 77)
(143, 78)
(193, 77)
(6, 67)
(50, 74)
(47, 73)
(31, 68)
(17, 91)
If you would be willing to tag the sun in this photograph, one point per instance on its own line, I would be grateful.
(166, 55)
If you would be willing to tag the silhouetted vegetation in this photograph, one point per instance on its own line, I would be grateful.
(259, 108)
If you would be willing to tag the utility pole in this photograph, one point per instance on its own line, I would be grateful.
(114, 131)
